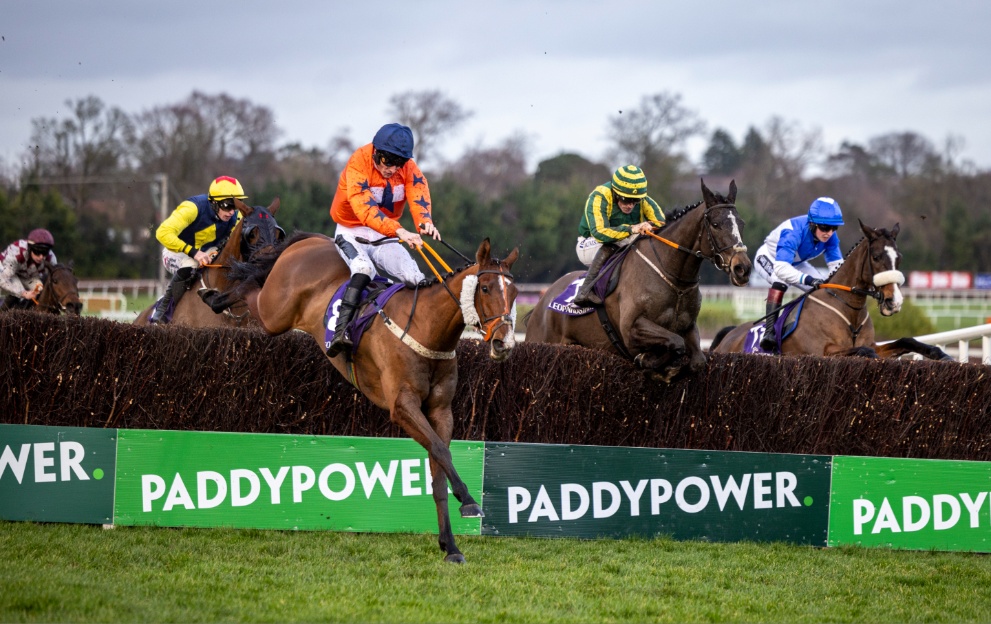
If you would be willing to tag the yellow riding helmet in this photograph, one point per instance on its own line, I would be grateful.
(225, 187)
(629, 181)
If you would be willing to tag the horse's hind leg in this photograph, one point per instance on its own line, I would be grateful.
(911, 345)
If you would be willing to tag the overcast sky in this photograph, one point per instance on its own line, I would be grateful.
(553, 71)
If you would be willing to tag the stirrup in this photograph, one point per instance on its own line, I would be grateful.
(340, 342)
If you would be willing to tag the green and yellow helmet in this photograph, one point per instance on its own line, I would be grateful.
(629, 181)
(225, 187)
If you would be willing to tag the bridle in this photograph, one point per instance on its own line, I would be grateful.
(469, 310)
(57, 306)
(717, 258)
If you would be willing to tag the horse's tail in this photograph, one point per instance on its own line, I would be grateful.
(720, 335)
(526, 317)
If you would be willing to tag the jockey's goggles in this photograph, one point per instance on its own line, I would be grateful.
(627, 200)
(225, 204)
(391, 160)
(39, 248)
(825, 228)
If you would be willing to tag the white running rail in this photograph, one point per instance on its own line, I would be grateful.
(962, 338)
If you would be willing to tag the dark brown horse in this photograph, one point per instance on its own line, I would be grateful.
(653, 310)
(59, 292)
(256, 233)
(405, 365)
(834, 320)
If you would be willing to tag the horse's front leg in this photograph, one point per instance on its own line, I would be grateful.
(657, 349)
(407, 414)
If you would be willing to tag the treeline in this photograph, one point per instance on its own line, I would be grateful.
(94, 179)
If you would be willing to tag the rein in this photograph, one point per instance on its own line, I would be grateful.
(466, 302)
(717, 257)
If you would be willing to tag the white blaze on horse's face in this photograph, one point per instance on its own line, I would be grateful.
(889, 282)
(736, 228)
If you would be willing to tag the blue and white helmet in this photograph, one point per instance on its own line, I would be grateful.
(825, 211)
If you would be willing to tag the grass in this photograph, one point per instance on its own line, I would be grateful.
(86, 574)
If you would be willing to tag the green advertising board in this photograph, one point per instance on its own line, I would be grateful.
(57, 474)
(920, 504)
(589, 492)
(272, 481)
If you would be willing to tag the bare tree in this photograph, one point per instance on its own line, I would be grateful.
(205, 136)
(653, 137)
(904, 153)
(73, 152)
(431, 115)
(774, 166)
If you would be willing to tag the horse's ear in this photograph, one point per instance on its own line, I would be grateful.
(242, 207)
(274, 206)
(710, 199)
(484, 253)
(731, 199)
(894, 231)
(869, 232)
(513, 256)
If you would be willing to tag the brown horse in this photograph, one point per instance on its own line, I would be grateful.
(651, 316)
(834, 319)
(59, 292)
(256, 233)
(405, 361)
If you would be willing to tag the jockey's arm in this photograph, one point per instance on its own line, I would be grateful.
(10, 284)
(785, 272)
(168, 232)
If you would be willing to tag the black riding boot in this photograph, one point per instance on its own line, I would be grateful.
(173, 293)
(775, 295)
(349, 304)
(586, 293)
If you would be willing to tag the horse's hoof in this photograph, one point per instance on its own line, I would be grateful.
(471, 510)
(455, 558)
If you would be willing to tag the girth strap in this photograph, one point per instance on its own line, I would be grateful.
(611, 333)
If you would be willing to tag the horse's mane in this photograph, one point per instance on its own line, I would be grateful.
(430, 281)
(683, 211)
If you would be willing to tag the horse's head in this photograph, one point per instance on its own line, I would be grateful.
(259, 231)
(61, 290)
(488, 300)
(724, 229)
(880, 270)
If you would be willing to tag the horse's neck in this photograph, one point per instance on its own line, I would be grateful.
(851, 273)
(228, 255)
(686, 231)
(437, 312)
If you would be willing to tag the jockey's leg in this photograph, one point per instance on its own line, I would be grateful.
(586, 295)
(173, 293)
(349, 304)
(775, 294)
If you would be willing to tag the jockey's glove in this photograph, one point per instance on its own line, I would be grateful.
(814, 282)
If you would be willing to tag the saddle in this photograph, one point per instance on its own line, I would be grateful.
(785, 326)
(604, 285)
(376, 294)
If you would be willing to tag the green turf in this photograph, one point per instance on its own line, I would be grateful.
(61, 573)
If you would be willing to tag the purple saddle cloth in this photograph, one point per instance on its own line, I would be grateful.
(604, 284)
(783, 328)
(374, 299)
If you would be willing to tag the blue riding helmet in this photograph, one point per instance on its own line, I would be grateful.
(396, 139)
(825, 211)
